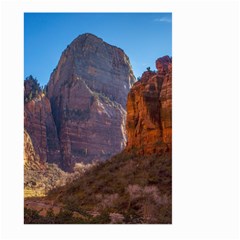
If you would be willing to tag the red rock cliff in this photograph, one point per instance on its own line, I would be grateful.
(88, 92)
(39, 124)
(149, 110)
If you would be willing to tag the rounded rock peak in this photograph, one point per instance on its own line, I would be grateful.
(87, 38)
(91, 39)
(163, 64)
(83, 40)
(88, 35)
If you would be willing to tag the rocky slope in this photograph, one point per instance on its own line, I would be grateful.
(31, 158)
(40, 177)
(127, 188)
(149, 110)
(88, 92)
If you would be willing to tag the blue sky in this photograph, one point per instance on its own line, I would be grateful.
(143, 36)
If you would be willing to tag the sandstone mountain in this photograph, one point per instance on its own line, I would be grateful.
(149, 110)
(82, 116)
(88, 92)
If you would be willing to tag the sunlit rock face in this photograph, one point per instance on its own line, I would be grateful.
(31, 158)
(149, 110)
(88, 92)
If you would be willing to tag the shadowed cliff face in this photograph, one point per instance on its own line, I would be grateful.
(88, 92)
(39, 124)
(149, 110)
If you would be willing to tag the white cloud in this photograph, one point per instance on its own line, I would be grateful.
(163, 19)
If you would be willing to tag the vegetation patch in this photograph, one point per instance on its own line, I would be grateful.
(125, 189)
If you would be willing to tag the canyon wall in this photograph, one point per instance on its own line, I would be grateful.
(149, 110)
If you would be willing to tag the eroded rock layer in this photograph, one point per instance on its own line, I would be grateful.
(149, 110)
(39, 124)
